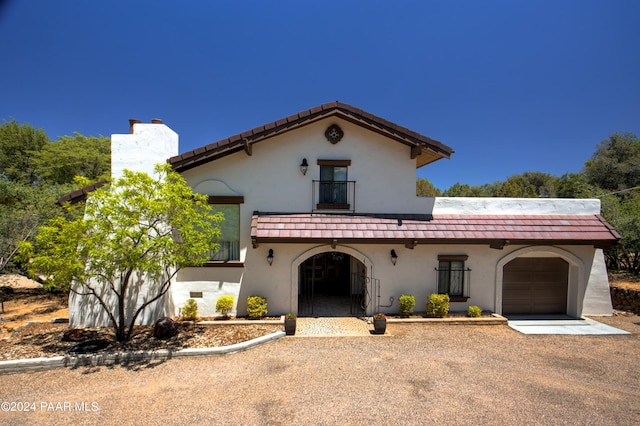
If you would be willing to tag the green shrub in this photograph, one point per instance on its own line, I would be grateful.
(189, 311)
(256, 307)
(438, 305)
(474, 311)
(406, 303)
(224, 305)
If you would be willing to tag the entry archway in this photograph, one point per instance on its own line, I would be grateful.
(330, 282)
(574, 280)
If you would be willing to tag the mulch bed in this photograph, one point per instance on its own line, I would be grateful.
(46, 339)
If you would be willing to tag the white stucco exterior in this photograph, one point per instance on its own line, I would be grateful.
(270, 180)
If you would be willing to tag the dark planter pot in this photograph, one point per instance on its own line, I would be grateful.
(290, 327)
(379, 325)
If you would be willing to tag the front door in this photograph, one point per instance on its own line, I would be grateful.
(327, 286)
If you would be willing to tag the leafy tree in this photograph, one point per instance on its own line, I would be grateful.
(616, 163)
(458, 190)
(137, 225)
(424, 188)
(622, 213)
(71, 156)
(18, 142)
(575, 185)
(614, 169)
(24, 207)
(464, 190)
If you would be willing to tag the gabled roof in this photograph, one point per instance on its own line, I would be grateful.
(80, 195)
(423, 148)
(494, 230)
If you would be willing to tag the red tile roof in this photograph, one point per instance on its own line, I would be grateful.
(80, 195)
(495, 230)
(427, 149)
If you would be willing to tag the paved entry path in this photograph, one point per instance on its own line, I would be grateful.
(333, 326)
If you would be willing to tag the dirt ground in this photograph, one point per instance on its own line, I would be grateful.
(29, 302)
(624, 279)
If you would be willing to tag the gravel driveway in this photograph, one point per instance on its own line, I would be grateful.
(417, 374)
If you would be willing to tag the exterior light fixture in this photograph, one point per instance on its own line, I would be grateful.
(394, 257)
(304, 166)
(270, 257)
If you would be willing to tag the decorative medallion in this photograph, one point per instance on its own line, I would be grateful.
(334, 133)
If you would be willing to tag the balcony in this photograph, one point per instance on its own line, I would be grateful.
(334, 195)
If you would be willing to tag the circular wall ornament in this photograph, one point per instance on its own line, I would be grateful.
(334, 133)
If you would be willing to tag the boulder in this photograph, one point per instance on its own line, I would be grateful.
(165, 328)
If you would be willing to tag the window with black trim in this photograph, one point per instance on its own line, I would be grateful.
(453, 276)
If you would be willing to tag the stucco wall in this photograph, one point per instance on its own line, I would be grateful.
(270, 180)
(507, 206)
(414, 273)
(139, 151)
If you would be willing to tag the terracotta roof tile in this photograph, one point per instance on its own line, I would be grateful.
(479, 229)
(230, 145)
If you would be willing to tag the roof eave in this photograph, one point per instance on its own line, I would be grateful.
(430, 150)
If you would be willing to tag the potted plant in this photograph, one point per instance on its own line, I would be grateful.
(290, 324)
(379, 323)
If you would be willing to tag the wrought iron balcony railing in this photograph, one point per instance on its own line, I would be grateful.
(334, 195)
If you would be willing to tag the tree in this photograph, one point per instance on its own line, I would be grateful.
(18, 143)
(424, 188)
(615, 165)
(575, 185)
(622, 213)
(458, 190)
(62, 161)
(464, 190)
(24, 207)
(137, 226)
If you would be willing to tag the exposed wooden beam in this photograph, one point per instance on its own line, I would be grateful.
(415, 151)
(412, 244)
(248, 148)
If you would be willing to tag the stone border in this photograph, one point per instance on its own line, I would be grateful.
(42, 364)
(494, 319)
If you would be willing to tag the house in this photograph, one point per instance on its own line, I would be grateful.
(322, 219)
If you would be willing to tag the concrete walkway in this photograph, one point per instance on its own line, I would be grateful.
(560, 325)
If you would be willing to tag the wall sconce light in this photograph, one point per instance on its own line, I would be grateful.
(270, 257)
(304, 166)
(394, 257)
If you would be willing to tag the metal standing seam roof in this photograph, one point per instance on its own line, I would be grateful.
(432, 149)
(496, 230)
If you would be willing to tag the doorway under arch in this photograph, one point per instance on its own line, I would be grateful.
(332, 283)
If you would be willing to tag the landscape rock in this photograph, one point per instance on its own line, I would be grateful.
(165, 328)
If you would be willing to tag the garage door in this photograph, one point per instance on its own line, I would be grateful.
(535, 286)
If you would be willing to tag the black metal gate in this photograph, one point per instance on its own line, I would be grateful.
(312, 285)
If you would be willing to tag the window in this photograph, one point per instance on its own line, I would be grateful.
(229, 239)
(333, 185)
(334, 191)
(452, 276)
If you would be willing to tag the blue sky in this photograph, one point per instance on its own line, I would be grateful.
(512, 86)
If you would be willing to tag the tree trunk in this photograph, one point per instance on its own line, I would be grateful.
(120, 331)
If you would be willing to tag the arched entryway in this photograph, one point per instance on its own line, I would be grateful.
(332, 283)
(535, 286)
(535, 267)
